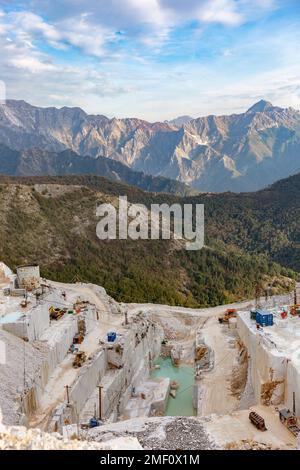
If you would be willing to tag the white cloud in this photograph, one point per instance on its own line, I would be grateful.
(221, 11)
(90, 26)
(34, 24)
(136, 17)
(90, 38)
(151, 11)
(33, 64)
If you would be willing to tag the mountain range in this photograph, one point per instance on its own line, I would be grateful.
(238, 152)
(37, 162)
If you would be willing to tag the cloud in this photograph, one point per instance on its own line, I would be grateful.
(148, 58)
(88, 25)
(32, 64)
(33, 24)
(221, 11)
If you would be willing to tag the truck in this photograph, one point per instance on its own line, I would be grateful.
(289, 420)
(257, 420)
(229, 313)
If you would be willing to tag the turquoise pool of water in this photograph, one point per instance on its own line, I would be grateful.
(182, 405)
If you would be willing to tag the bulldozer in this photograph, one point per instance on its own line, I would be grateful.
(229, 313)
(56, 313)
(79, 359)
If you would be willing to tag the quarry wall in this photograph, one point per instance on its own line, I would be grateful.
(275, 377)
(132, 353)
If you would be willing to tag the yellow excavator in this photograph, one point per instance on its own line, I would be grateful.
(229, 313)
(56, 313)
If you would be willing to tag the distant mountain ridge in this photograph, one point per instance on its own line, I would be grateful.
(238, 152)
(37, 162)
(180, 121)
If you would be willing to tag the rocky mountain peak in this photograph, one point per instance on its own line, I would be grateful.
(260, 107)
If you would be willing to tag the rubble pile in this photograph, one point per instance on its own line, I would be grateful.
(20, 438)
(180, 434)
(167, 433)
(248, 444)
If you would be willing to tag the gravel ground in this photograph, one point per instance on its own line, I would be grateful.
(166, 433)
(180, 434)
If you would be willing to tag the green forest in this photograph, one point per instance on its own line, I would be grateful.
(250, 239)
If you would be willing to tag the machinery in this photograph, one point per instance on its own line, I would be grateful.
(295, 310)
(257, 420)
(79, 359)
(56, 313)
(78, 338)
(289, 420)
(230, 313)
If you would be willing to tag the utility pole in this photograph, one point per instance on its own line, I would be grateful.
(257, 295)
(100, 401)
(68, 396)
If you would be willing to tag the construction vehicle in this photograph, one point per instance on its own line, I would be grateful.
(230, 313)
(289, 420)
(78, 338)
(56, 313)
(295, 310)
(257, 420)
(80, 358)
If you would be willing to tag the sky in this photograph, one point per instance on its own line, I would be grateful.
(151, 59)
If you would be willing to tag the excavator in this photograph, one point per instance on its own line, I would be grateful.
(56, 313)
(229, 313)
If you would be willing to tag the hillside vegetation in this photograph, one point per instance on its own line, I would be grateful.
(52, 220)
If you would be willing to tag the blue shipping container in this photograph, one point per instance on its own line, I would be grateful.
(264, 318)
(111, 336)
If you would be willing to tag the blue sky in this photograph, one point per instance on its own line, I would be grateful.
(152, 59)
